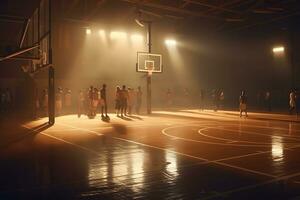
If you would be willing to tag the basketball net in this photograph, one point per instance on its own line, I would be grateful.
(150, 71)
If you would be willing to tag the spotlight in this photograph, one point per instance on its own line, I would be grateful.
(88, 31)
(117, 35)
(278, 49)
(101, 32)
(170, 42)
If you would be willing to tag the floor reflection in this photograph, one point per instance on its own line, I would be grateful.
(43, 172)
(137, 170)
(277, 154)
(98, 172)
(290, 128)
(171, 161)
(119, 169)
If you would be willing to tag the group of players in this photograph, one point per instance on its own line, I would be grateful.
(126, 99)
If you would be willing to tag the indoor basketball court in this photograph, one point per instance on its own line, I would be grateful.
(204, 154)
(143, 99)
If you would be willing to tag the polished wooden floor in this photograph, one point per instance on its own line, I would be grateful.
(183, 154)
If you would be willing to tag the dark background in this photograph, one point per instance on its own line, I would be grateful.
(230, 57)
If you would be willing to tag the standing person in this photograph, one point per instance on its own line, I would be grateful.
(80, 103)
(268, 101)
(215, 98)
(297, 102)
(131, 100)
(8, 99)
(45, 102)
(169, 98)
(103, 101)
(86, 101)
(292, 101)
(124, 98)
(243, 103)
(37, 103)
(58, 101)
(138, 100)
(221, 99)
(118, 100)
(68, 100)
(90, 101)
(2, 100)
(258, 99)
(95, 102)
(186, 95)
(201, 95)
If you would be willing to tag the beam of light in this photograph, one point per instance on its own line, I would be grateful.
(136, 37)
(118, 35)
(278, 49)
(101, 33)
(88, 31)
(170, 42)
(178, 63)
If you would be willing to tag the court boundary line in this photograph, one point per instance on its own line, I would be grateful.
(262, 145)
(65, 141)
(274, 178)
(206, 161)
(164, 132)
(243, 141)
(206, 142)
(229, 115)
(292, 137)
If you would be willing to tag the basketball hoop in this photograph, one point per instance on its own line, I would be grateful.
(149, 63)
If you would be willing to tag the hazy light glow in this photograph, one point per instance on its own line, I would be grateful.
(101, 32)
(118, 35)
(170, 42)
(88, 31)
(278, 49)
(136, 37)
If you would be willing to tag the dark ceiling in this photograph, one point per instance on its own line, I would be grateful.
(223, 14)
(219, 15)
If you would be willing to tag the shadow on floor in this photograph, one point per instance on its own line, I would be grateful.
(24, 134)
(135, 117)
(125, 118)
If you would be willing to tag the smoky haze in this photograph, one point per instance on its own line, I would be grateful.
(203, 58)
(200, 60)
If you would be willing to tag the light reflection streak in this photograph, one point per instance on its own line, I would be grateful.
(137, 170)
(277, 149)
(120, 170)
(171, 166)
(98, 172)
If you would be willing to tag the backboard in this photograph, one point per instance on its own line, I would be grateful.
(149, 62)
(38, 32)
